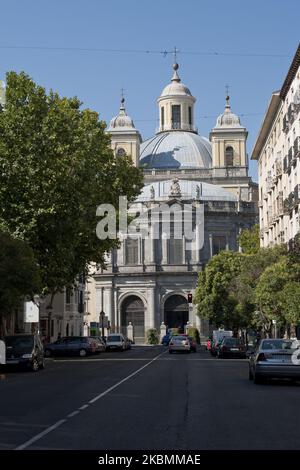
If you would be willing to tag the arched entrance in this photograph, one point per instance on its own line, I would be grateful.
(176, 312)
(133, 310)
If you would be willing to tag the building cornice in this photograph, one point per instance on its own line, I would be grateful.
(272, 110)
(291, 74)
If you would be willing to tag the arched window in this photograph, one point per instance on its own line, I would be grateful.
(229, 156)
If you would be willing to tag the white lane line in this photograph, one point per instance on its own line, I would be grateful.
(73, 414)
(83, 407)
(40, 435)
(62, 421)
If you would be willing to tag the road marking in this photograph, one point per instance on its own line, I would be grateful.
(83, 407)
(96, 398)
(41, 434)
(74, 413)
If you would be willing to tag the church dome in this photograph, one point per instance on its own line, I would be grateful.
(122, 120)
(228, 118)
(176, 149)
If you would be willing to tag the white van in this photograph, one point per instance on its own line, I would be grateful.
(115, 341)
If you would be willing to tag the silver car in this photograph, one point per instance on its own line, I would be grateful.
(179, 343)
(274, 358)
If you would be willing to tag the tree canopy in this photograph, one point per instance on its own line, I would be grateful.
(212, 295)
(249, 240)
(19, 274)
(56, 167)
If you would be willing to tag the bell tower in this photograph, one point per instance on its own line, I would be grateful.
(125, 138)
(228, 139)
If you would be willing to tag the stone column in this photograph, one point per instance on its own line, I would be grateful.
(152, 245)
(150, 323)
(211, 244)
(116, 316)
(130, 331)
(197, 244)
(164, 242)
(163, 331)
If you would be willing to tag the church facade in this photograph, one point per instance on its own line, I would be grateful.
(150, 281)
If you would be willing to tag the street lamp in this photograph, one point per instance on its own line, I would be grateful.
(102, 315)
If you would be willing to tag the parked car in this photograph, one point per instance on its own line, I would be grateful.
(101, 345)
(25, 351)
(72, 345)
(179, 343)
(165, 340)
(274, 358)
(116, 341)
(232, 347)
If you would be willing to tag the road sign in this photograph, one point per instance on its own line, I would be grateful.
(2, 352)
(31, 312)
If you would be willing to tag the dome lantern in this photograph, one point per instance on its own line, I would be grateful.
(176, 106)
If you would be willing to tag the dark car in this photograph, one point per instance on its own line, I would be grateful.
(232, 347)
(165, 340)
(25, 350)
(72, 345)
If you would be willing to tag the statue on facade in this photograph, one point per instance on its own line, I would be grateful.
(175, 188)
(198, 191)
(152, 192)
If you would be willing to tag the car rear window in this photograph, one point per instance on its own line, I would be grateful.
(276, 344)
(19, 341)
(179, 338)
(232, 342)
(114, 338)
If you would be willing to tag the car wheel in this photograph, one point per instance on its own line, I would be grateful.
(82, 353)
(250, 374)
(48, 353)
(35, 365)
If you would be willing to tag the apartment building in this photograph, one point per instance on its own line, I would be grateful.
(277, 150)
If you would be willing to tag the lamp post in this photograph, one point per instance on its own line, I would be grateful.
(102, 315)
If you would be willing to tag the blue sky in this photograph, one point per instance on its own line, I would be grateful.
(196, 27)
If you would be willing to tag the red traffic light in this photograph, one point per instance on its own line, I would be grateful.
(190, 298)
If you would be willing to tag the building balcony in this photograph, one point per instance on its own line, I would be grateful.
(278, 166)
(285, 124)
(288, 203)
(296, 147)
(280, 206)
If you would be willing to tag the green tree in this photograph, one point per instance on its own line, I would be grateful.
(56, 167)
(290, 301)
(213, 299)
(269, 294)
(242, 287)
(249, 240)
(19, 276)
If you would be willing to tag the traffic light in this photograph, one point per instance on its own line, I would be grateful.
(190, 298)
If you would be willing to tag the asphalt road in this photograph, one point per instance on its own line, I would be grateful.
(146, 399)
